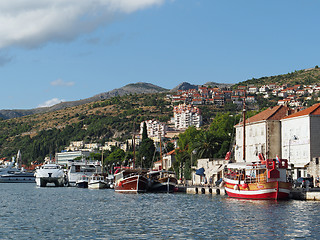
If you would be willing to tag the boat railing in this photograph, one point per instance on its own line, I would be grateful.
(257, 179)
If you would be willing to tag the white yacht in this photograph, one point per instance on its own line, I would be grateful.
(10, 173)
(17, 177)
(50, 173)
(77, 169)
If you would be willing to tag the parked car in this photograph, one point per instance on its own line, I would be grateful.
(303, 182)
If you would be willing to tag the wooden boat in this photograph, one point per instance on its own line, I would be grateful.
(162, 181)
(131, 181)
(266, 179)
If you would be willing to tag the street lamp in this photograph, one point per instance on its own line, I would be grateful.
(192, 153)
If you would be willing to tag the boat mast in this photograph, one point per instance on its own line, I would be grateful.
(244, 127)
(102, 162)
(161, 158)
(134, 145)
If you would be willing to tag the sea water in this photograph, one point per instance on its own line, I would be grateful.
(29, 212)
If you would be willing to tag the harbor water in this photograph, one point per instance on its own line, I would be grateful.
(28, 212)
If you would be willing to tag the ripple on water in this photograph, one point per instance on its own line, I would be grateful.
(28, 212)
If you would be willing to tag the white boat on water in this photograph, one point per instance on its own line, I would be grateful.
(17, 177)
(97, 182)
(77, 169)
(50, 173)
(10, 173)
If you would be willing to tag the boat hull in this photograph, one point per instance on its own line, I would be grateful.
(97, 185)
(82, 184)
(164, 185)
(132, 184)
(17, 178)
(269, 190)
(43, 181)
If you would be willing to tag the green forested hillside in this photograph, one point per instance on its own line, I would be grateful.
(304, 77)
(43, 134)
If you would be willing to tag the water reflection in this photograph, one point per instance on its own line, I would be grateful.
(28, 212)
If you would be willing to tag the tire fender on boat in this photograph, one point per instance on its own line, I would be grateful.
(236, 187)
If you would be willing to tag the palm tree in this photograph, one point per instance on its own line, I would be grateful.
(207, 144)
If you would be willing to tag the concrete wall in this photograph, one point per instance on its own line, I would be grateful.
(273, 139)
(314, 136)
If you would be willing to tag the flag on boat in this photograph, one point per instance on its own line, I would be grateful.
(277, 158)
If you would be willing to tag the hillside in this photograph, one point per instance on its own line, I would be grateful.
(45, 133)
(128, 89)
(303, 77)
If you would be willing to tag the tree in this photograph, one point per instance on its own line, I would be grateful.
(169, 146)
(207, 144)
(183, 154)
(146, 153)
(117, 156)
(144, 131)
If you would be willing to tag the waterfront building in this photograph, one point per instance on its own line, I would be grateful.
(186, 115)
(300, 138)
(212, 171)
(62, 158)
(167, 161)
(263, 135)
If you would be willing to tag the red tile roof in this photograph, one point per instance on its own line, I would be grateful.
(272, 113)
(313, 110)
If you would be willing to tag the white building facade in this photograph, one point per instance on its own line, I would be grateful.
(154, 128)
(300, 138)
(186, 116)
(263, 135)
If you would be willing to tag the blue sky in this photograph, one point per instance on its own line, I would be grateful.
(57, 50)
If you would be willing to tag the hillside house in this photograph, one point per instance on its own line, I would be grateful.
(252, 90)
(186, 115)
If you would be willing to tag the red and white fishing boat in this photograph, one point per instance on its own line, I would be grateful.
(131, 180)
(266, 179)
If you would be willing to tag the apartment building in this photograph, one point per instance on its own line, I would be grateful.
(186, 115)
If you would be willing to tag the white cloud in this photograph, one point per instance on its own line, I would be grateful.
(51, 102)
(60, 82)
(33, 23)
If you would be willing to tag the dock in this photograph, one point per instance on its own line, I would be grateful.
(205, 190)
(312, 194)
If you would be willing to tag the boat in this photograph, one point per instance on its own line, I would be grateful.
(76, 169)
(82, 182)
(266, 179)
(10, 173)
(50, 173)
(17, 177)
(97, 182)
(131, 180)
(162, 181)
